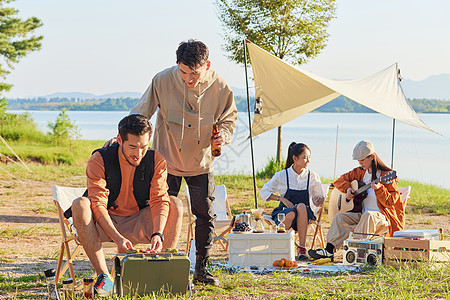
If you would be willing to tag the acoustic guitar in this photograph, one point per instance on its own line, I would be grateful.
(339, 202)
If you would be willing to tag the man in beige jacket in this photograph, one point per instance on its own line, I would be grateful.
(190, 98)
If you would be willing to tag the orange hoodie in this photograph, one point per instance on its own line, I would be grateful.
(127, 205)
(388, 197)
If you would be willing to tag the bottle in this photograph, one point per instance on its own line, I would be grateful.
(51, 284)
(68, 289)
(215, 150)
(88, 287)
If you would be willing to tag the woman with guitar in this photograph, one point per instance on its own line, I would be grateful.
(371, 197)
(296, 186)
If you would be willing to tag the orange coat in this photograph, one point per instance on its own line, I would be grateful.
(388, 197)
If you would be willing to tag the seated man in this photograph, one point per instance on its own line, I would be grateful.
(127, 200)
(381, 211)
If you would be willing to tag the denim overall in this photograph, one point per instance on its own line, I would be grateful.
(296, 197)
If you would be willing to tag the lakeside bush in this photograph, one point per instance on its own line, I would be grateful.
(64, 130)
(30, 144)
(270, 168)
(20, 127)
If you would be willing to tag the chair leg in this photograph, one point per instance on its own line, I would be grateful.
(222, 244)
(321, 239)
(221, 237)
(318, 233)
(68, 264)
(188, 241)
(190, 236)
(60, 260)
(314, 237)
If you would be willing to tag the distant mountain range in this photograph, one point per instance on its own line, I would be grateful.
(84, 96)
(433, 87)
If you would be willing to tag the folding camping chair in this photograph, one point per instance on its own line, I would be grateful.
(223, 213)
(317, 225)
(404, 197)
(404, 194)
(63, 198)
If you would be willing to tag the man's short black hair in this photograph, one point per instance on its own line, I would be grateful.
(192, 53)
(134, 124)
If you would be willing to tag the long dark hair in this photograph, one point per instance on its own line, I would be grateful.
(294, 149)
(378, 164)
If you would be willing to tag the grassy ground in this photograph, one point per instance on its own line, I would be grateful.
(420, 281)
(30, 236)
(423, 281)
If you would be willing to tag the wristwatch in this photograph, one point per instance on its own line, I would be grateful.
(160, 235)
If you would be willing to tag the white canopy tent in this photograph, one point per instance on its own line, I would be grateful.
(287, 92)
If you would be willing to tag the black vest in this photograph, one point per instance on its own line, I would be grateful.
(141, 181)
(142, 176)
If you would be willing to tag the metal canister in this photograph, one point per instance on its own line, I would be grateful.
(244, 218)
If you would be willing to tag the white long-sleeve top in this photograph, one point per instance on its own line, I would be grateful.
(278, 184)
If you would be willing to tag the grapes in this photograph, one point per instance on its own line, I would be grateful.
(242, 227)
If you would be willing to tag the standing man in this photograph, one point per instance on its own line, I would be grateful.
(191, 98)
(127, 200)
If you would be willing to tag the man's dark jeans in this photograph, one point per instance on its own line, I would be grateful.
(201, 191)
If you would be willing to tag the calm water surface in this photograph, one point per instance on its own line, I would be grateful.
(419, 155)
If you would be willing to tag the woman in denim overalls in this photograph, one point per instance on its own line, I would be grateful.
(296, 185)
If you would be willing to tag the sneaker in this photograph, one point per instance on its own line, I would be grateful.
(104, 285)
(320, 253)
(302, 256)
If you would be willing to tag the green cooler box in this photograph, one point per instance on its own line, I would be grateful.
(161, 273)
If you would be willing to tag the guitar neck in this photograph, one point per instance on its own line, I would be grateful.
(366, 187)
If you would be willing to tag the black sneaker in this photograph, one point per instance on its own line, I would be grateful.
(320, 253)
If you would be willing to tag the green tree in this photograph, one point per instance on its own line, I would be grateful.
(16, 39)
(293, 30)
(63, 129)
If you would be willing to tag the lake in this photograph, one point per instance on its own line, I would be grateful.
(419, 155)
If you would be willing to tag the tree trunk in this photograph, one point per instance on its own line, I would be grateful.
(279, 146)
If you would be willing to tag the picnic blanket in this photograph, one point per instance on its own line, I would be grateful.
(303, 268)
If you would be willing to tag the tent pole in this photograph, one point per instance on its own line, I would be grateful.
(250, 124)
(393, 138)
(335, 150)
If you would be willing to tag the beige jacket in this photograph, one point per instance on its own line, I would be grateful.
(185, 119)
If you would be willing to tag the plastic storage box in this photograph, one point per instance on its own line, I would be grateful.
(259, 249)
(422, 234)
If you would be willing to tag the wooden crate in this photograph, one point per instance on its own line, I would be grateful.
(407, 249)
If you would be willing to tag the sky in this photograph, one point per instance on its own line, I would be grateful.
(107, 46)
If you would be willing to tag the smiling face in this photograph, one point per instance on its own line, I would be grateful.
(134, 148)
(192, 77)
(301, 161)
(366, 163)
